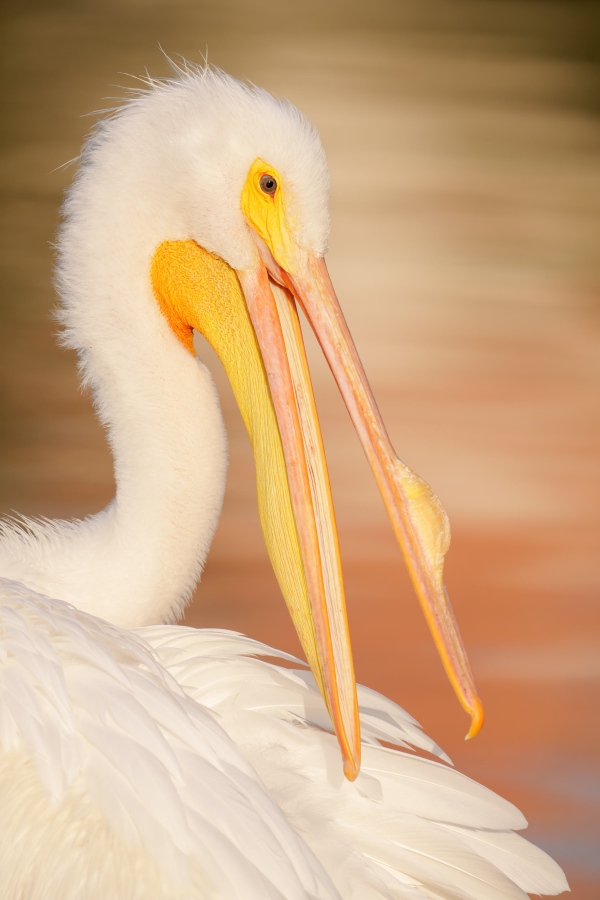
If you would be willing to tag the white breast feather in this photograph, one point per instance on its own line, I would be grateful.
(112, 774)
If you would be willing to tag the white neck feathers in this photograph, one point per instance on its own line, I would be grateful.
(138, 560)
(171, 165)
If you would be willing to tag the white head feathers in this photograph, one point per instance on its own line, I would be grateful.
(187, 144)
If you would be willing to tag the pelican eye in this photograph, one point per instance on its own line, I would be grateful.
(268, 184)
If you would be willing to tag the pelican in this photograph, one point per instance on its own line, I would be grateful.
(140, 759)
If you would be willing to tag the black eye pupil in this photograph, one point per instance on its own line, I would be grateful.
(268, 184)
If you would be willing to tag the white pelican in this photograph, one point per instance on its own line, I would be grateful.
(166, 762)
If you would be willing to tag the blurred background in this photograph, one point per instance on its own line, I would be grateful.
(464, 143)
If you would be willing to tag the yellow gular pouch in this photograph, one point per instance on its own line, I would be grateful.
(195, 289)
(266, 213)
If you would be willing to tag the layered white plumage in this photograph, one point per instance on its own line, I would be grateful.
(114, 783)
(169, 763)
(165, 763)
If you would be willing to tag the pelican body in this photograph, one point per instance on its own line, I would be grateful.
(139, 759)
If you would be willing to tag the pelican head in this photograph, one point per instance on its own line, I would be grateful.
(232, 186)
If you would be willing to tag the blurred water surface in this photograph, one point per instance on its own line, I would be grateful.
(464, 146)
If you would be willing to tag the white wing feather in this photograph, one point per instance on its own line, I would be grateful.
(172, 764)
(113, 782)
(408, 826)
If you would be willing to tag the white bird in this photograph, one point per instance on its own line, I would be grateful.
(146, 760)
